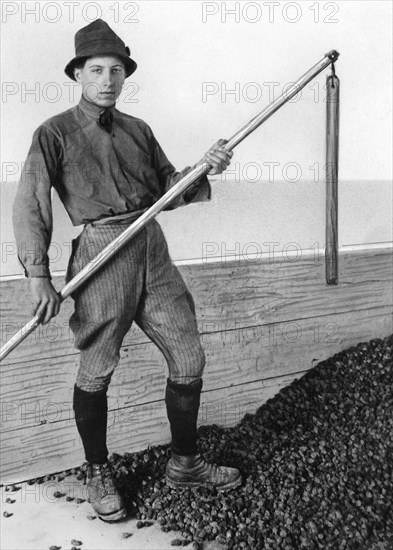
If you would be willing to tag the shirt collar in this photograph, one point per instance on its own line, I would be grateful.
(92, 110)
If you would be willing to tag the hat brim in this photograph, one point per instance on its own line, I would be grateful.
(129, 64)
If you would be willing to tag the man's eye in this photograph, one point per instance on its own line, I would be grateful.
(96, 70)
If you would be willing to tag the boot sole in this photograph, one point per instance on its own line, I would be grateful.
(115, 516)
(184, 484)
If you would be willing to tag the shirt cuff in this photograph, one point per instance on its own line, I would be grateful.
(37, 271)
(200, 191)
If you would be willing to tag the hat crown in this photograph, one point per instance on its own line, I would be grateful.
(97, 32)
(95, 25)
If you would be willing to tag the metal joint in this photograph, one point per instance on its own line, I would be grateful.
(333, 55)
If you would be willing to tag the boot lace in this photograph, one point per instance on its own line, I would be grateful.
(105, 478)
(209, 468)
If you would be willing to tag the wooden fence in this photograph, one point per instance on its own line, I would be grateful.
(262, 323)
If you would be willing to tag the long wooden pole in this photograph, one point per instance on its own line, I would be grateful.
(195, 174)
(332, 142)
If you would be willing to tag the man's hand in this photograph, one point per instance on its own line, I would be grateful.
(46, 299)
(217, 157)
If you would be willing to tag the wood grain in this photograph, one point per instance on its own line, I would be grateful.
(40, 391)
(228, 296)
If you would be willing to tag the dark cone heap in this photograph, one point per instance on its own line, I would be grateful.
(317, 462)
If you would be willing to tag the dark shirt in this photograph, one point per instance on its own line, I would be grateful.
(95, 173)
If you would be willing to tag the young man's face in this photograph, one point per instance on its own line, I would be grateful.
(102, 79)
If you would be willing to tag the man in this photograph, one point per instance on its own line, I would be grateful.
(108, 168)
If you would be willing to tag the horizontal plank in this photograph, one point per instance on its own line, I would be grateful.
(228, 295)
(39, 392)
(40, 450)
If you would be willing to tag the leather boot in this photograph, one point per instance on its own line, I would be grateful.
(193, 471)
(103, 494)
(186, 468)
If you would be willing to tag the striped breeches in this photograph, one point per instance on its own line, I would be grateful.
(141, 284)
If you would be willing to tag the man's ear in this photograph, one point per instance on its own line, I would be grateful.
(77, 74)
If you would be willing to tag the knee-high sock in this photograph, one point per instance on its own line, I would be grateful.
(182, 404)
(91, 411)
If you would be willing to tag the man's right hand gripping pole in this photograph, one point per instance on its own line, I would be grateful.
(45, 297)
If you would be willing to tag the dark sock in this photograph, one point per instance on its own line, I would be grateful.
(91, 412)
(182, 404)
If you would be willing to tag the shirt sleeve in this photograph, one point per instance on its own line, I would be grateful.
(199, 191)
(32, 211)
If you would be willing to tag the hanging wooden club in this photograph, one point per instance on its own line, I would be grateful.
(332, 143)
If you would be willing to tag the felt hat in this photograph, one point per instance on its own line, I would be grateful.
(98, 38)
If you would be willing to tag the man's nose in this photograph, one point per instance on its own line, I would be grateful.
(108, 78)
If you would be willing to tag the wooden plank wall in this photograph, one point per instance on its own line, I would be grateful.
(263, 323)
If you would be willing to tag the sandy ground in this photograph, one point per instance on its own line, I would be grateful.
(40, 520)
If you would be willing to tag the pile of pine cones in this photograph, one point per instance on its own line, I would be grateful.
(317, 462)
